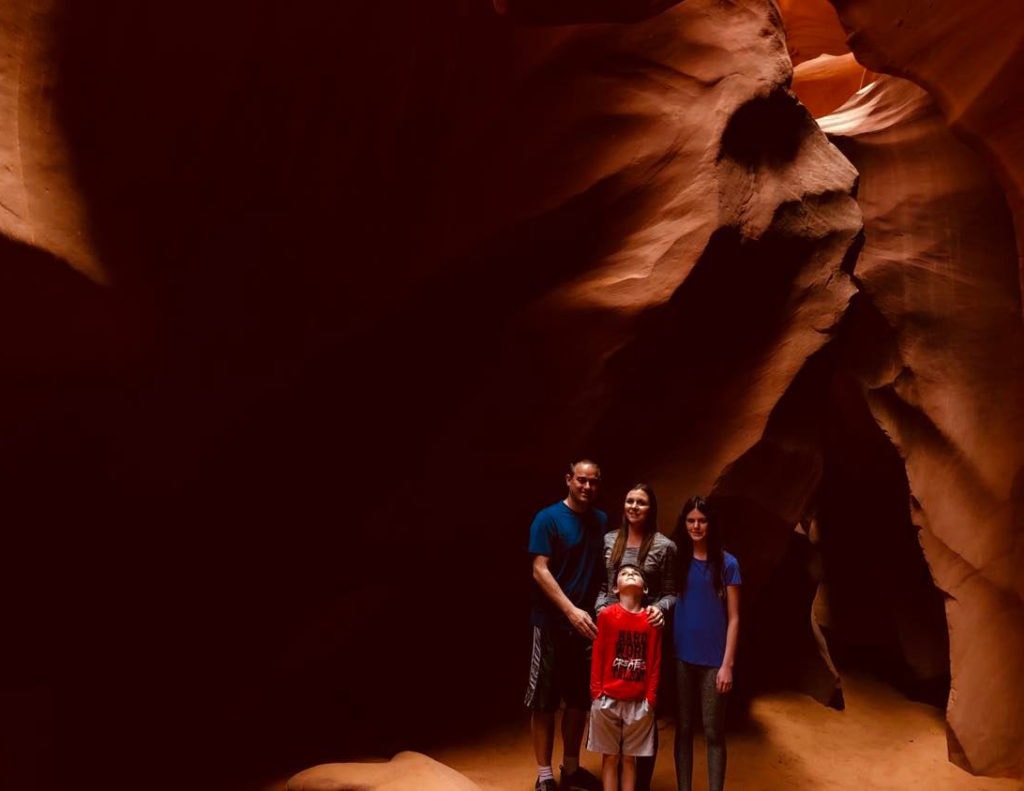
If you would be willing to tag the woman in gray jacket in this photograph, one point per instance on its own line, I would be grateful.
(638, 541)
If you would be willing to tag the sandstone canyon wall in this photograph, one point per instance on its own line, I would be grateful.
(954, 411)
(953, 151)
(307, 307)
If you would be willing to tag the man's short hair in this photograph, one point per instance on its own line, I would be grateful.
(584, 460)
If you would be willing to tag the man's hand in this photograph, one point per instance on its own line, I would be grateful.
(655, 617)
(582, 622)
(580, 619)
(501, 6)
(723, 681)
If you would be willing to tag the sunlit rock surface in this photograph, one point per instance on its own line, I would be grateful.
(826, 82)
(946, 383)
(969, 58)
(825, 72)
(812, 29)
(40, 204)
(405, 772)
(55, 314)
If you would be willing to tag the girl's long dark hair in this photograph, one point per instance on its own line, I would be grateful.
(650, 528)
(684, 544)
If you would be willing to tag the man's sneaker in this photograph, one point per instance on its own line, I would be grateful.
(580, 780)
(545, 785)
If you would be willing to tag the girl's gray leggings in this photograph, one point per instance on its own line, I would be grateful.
(695, 685)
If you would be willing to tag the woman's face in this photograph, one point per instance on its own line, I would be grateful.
(636, 507)
(697, 525)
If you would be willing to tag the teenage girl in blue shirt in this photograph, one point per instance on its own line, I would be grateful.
(706, 623)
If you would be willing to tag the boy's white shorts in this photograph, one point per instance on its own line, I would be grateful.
(621, 726)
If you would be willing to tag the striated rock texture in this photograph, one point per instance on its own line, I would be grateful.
(968, 58)
(946, 383)
(40, 203)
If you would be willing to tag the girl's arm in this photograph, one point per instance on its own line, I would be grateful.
(723, 681)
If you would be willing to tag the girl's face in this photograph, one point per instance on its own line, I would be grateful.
(636, 507)
(697, 526)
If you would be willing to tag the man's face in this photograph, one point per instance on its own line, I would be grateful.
(583, 484)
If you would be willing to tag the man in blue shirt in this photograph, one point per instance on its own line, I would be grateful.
(567, 547)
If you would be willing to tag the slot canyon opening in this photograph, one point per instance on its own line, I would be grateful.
(307, 307)
(851, 592)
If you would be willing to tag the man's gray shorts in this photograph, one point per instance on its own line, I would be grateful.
(625, 726)
(559, 670)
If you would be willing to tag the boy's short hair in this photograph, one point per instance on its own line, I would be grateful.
(627, 565)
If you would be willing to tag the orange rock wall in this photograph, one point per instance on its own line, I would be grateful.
(306, 306)
(952, 405)
(968, 57)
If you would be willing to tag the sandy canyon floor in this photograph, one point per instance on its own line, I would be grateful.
(881, 742)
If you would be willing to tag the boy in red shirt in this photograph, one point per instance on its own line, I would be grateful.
(624, 672)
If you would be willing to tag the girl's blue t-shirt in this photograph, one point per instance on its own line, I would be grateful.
(700, 618)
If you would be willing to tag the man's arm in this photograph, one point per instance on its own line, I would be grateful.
(580, 619)
(577, 12)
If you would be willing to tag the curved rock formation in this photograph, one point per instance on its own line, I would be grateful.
(308, 305)
(826, 82)
(40, 203)
(939, 267)
(825, 74)
(812, 29)
(405, 772)
(312, 210)
(968, 58)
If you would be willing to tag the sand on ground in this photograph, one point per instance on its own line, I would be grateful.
(881, 742)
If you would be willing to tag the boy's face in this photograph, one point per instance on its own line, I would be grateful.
(629, 577)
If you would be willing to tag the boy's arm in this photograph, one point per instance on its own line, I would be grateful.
(575, 12)
(597, 656)
(653, 666)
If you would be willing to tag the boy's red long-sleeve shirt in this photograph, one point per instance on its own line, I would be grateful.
(627, 656)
